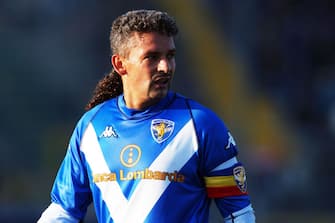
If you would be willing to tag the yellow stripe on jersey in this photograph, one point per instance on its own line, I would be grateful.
(220, 181)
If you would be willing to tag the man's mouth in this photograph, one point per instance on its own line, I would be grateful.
(162, 81)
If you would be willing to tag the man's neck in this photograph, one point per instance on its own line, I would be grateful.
(138, 104)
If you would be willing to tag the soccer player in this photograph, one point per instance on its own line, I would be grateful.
(142, 153)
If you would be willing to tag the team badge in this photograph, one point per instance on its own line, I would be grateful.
(161, 129)
(240, 178)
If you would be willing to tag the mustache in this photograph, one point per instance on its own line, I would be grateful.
(160, 75)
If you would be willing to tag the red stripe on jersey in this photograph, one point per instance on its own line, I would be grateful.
(220, 192)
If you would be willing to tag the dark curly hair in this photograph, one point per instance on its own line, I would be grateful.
(142, 21)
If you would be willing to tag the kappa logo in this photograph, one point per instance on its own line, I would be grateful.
(231, 141)
(109, 132)
(161, 129)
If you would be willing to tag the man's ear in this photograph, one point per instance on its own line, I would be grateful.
(118, 64)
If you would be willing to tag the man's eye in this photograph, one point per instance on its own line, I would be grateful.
(152, 57)
(171, 56)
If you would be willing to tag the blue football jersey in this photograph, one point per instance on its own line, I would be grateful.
(164, 164)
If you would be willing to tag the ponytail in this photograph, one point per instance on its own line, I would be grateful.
(110, 86)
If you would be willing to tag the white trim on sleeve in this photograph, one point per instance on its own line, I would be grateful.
(227, 164)
(245, 215)
(55, 214)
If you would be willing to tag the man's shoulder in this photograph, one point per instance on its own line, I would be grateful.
(196, 106)
(89, 115)
(199, 111)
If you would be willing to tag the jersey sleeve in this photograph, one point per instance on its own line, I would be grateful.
(224, 176)
(71, 189)
(71, 186)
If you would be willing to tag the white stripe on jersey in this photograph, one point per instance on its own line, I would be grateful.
(91, 148)
(135, 210)
(226, 164)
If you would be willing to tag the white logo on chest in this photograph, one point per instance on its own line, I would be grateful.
(108, 132)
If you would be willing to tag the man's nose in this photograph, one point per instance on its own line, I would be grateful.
(164, 65)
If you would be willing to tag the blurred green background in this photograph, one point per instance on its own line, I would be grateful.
(266, 67)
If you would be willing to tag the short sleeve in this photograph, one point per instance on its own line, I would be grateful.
(71, 187)
(224, 176)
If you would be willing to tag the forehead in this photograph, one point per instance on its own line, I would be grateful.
(151, 42)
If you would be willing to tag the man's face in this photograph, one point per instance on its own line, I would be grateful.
(150, 65)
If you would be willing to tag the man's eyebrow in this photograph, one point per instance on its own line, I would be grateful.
(152, 52)
(155, 52)
(174, 50)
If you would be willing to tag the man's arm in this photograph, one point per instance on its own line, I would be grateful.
(224, 176)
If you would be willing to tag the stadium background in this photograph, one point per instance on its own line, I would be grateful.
(266, 67)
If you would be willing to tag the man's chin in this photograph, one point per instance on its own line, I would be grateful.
(159, 93)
